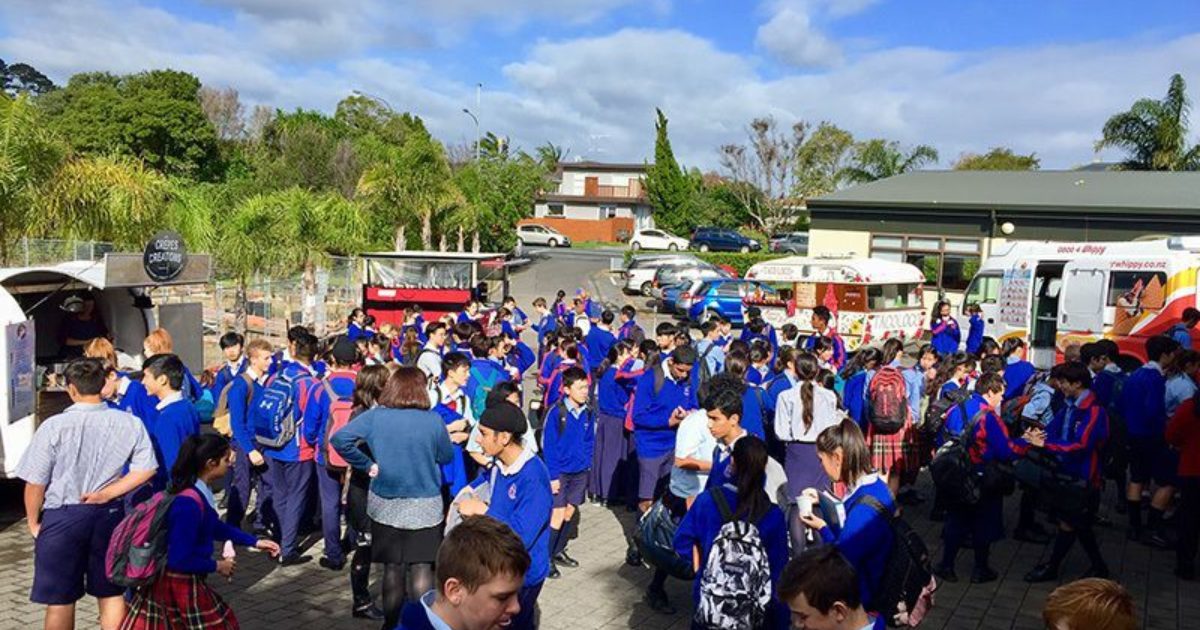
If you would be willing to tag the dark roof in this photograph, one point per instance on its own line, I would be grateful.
(637, 201)
(1102, 192)
(600, 166)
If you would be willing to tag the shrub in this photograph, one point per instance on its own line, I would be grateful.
(740, 262)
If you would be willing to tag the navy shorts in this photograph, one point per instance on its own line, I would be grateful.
(653, 473)
(68, 555)
(1150, 459)
(572, 489)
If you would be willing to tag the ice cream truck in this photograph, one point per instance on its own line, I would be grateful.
(870, 299)
(1055, 294)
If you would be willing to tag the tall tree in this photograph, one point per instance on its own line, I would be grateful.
(821, 160)
(310, 150)
(766, 168)
(550, 155)
(224, 110)
(29, 156)
(997, 159)
(668, 188)
(1155, 134)
(254, 238)
(323, 224)
(413, 183)
(116, 199)
(877, 159)
(21, 78)
(495, 195)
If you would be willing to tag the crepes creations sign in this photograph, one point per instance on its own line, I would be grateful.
(165, 257)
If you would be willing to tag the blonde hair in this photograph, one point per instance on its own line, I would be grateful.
(1091, 604)
(101, 348)
(159, 342)
(254, 346)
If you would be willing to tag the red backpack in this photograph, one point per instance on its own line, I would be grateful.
(887, 410)
(340, 410)
(137, 551)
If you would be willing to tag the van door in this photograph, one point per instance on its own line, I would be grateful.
(1047, 288)
(1081, 309)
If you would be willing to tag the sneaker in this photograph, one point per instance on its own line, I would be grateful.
(984, 575)
(1159, 539)
(289, 561)
(326, 563)
(367, 611)
(946, 574)
(633, 557)
(1042, 573)
(554, 572)
(659, 602)
(565, 560)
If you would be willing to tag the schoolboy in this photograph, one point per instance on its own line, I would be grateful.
(709, 352)
(820, 587)
(338, 386)
(545, 325)
(74, 480)
(664, 395)
(724, 409)
(600, 339)
(568, 444)
(629, 327)
(430, 359)
(1142, 406)
(235, 362)
(248, 461)
(821, 317)
(176, 419)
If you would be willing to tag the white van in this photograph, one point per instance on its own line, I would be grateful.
(1055, 294)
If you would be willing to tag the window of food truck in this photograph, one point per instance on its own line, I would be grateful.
(984, 289)
(884, 297)
(1137, 289)
(419, 274)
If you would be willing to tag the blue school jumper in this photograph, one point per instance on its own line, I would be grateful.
(598, 342)
(865, 539)
(959, 416)
(193, 529)
(778, 385)
(174, 423)
(1076, 434)
(613, 394)
(1143, 402)
(838, 360)
(290, 452)
(454, 472)
(554, 382)
(974, 334)
(521, 497)
(1181, 334)
(544, 326)
(653, 434)
(629, 330)
(521, 357)
(754, 413)
(1017, 373)
(225, 376)
(354, 332)
(570, 451)
(140, 403)
(854, 397)
(1104, 385)
(946, 336)
(316, 412)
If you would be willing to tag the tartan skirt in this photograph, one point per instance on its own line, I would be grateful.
(899, 452)
(178, 601)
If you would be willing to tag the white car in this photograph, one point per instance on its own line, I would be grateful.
(639, 274)
(657, 239)
(533, 234)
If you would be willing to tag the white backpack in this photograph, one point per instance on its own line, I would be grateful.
(736, 588)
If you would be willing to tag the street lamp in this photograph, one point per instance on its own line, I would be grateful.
(476, 119)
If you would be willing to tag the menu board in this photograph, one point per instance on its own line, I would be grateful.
(806, 295)
(21, 394)
(1014, 297)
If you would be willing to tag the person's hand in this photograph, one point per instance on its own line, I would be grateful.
(256, 458)
(98, 497)
(555, 485)
(471, 506)
(813, 522)
(459, 438)
(34, 528)
(226, 567)
(456, 426)
(268, 545)
(373, 472)
(1036, 437)
(812, 495)
(677, 416)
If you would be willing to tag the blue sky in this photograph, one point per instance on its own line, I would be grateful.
(961, 75)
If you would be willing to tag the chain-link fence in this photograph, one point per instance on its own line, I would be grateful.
(29, 252)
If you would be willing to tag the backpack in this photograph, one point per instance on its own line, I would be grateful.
(952, 471)
(274, 414)
(656, 542)
(908, 574)
(340, 411)
(736, 587)
(935, 413)
(887, 398)
(221, 416)
(483, 386)
(1113, 455)
(705, 371)
(1012, 410)
(137, 550)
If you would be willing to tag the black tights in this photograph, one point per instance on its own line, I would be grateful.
(395, 591)
(360, 575)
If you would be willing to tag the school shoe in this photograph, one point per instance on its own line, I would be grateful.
(289, 561)
(554, 572)
(984, 575)
(565, 560)
(326, 563)
(658, 601)
(633, 557)
(367, 611)
(1159, 539)
(946, 574)
(1042, 573)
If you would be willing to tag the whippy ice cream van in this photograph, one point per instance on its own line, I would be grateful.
(870, 299)
(1057, 294)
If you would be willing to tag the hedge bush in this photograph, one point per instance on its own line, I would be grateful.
(739, 261)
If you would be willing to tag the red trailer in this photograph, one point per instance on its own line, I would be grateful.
(438, 282)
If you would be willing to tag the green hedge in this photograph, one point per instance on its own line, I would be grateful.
(740, 262)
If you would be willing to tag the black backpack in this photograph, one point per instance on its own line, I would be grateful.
(952, 472)
(908, 573)
(935, 414)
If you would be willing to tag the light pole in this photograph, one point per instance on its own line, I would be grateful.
(476, 119)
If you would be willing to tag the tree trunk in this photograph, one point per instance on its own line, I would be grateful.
(461, 241)
(308, 292)
(427, 232)
(401, 242)
(475, 241)
(240, 306)
(442, 243)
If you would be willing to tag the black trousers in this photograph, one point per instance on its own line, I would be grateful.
(1189, 522)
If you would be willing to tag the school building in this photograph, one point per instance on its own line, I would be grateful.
(595, 201)
(947, 222)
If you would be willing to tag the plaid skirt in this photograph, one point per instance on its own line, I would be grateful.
(898, 453)
(177, 601)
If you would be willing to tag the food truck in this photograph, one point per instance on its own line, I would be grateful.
(1054, 294)
(35, 303)
(438, 282)
(870, 299)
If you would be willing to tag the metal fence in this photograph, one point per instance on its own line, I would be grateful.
(29, 252)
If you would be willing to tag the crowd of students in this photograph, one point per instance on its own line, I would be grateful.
(760, 447)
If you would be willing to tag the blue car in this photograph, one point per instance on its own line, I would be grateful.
(720, 297)
(712, 239)
(668, 302)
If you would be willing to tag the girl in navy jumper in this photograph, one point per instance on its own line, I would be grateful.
(179, 597)
(1017, 371)
(945, 331)
(610, 464)
(975, 329)
(864, 537)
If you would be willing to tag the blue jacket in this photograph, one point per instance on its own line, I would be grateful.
(854, 397)
(652, 430)
(225, 376)
(554, 382)
(1076, 434)
(174, 423)
(778, 385)
(1182, 334)
(316, 413)
(613, 394)
(946, 337)
(957, 420)
(354, 332)
(523, 500)
(711, 353)
(546, 324)
(990, 440)
(191, 532)
(865, 539)
(410, 445)
(239, 402)
(139, 402)
(1105, 384)
(838, 360)
(413, 617)
(975, 334)
(302, 388)
(630, 330)
(1017, 373)
(570, 451)
(598, 342)
(1143, 403)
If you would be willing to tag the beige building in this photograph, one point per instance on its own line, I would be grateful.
(597, 191)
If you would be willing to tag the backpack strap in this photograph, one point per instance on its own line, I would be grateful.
(193, 495)
(562, 417)
(718, 496)
(660, 379)
(875, 505)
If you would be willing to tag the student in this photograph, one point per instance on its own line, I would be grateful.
(741, 498)
(338, 386)
(630, 330)
(987, 441)
(430, 359)
(487, 369)
(559, 308)
(975, 328)
(1181, 380)
(1183, 434)
(520, 497)
(1182, 331)
(600, 338)
(789, 336)
(1075, 436)
(664, 335)
(480, 568)
(944, 328)
(247, 469)
(1142, 406)
(568, 446)
(289, 467)
(75, 477)
(858, 375)
(785, 379)
(611, 465)
(759, 375)
(176, 419)
(378, 349)
(1091, 603)
(710, 354)
(897, 456)
(356, 324)
(865, 537)
(450, 400)
(756, 326)
(821, 319)
(568, 352)
(159, 342)
(546, 324)
(180, 597)
(820, 587)
(723, 408)
(918, 377)
(1017, 371)
(801, 414)
(235, 362)
(662, 399)
(469, 313)
(520, 320)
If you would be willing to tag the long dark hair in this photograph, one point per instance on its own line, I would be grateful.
(806, 371)
(937, 312)
(614, 353)
(1011, 346)
(368, 385)
(946, 370)
(195, 452)
(750, 476)
(864, 359)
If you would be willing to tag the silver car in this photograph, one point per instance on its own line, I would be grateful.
(639, 274)
(534, 234)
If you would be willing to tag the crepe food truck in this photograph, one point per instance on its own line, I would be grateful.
(37, 302)
(438, 282)
(1055, 294)
(870, 299)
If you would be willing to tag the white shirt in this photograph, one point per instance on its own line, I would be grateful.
(789, 414)
(431, 362)
(234, 366)
(693, 441)
(170, 398)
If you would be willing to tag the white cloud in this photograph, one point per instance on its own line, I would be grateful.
(791, 38)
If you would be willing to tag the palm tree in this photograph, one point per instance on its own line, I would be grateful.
(550, 155)
(255, 237)
(413, 182)
(107, 198)
(29, 157)
(325, 224)
(1155, 133)
(877, 158)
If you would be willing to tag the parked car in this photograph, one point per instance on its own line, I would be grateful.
(668, 275)
(790, 243)
(720, 296)
(656, 239)
(722, 240)
(534, 234)
(639, 274)
(668, 302)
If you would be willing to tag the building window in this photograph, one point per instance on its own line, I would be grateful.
(608, 212)
(554, 210)
(948, 263)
